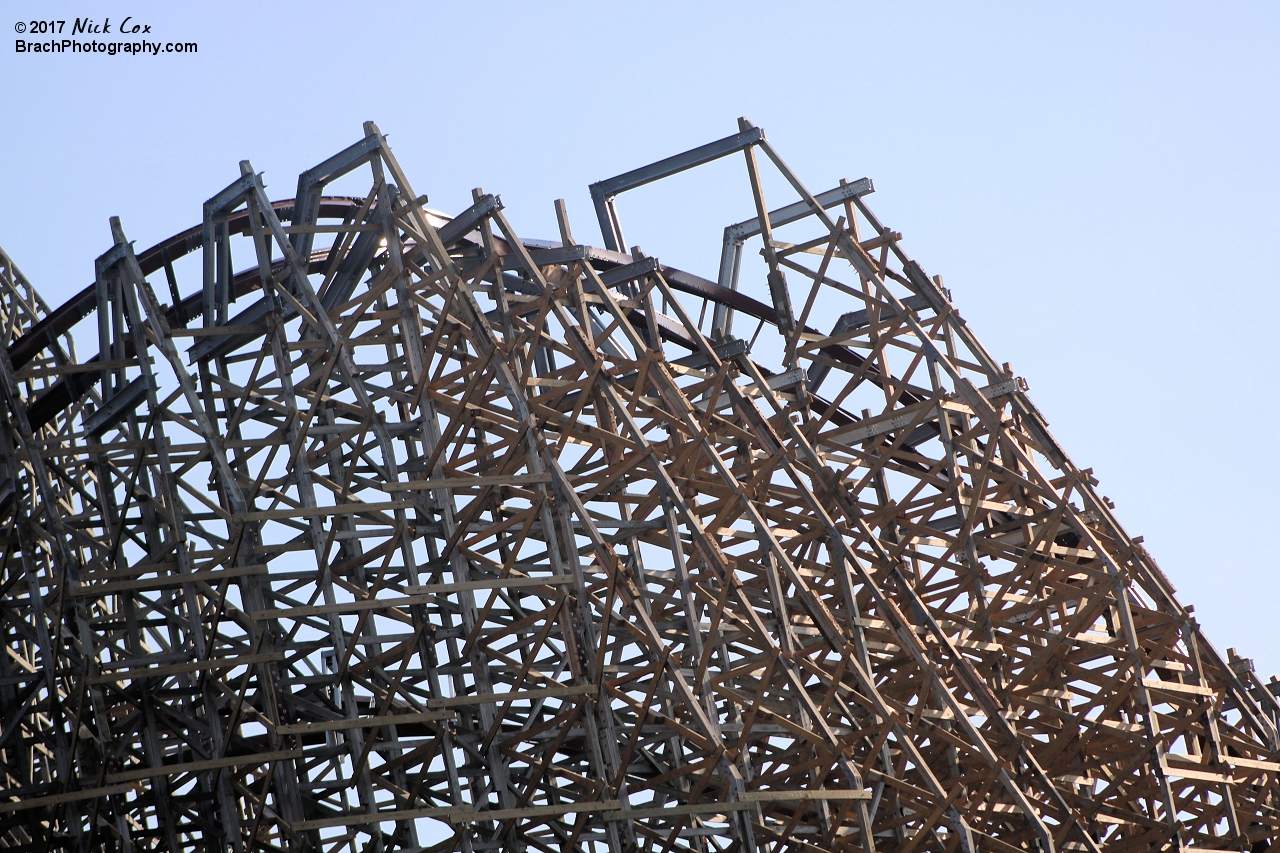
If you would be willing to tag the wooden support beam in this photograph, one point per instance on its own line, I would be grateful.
(438, 522)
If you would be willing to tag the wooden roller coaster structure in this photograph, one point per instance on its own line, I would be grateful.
(415, 535)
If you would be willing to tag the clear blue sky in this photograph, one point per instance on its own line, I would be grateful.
(1097, 183)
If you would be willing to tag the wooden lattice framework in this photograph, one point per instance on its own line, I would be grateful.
(414, 534)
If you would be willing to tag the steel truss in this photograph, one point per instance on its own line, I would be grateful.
(414, 534)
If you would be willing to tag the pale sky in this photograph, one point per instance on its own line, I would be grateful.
(1097, 184)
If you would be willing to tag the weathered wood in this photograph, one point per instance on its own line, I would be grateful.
(506, 540)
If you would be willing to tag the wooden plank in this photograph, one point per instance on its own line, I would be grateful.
(179, 668)
(880, 425)
(29, 803)
(364, 819)
(1202, 775)
(771, 795)
(322, 511)
(1176, 687)
(339, 607)
(211, 576)
(680, 810)
(364, 722)
(493, 583)
(531, 812)
(202, 766)
(68, 369)
(466, 482)
(218, 331)
(1252, 764)
(514, 696)
(457, 814)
